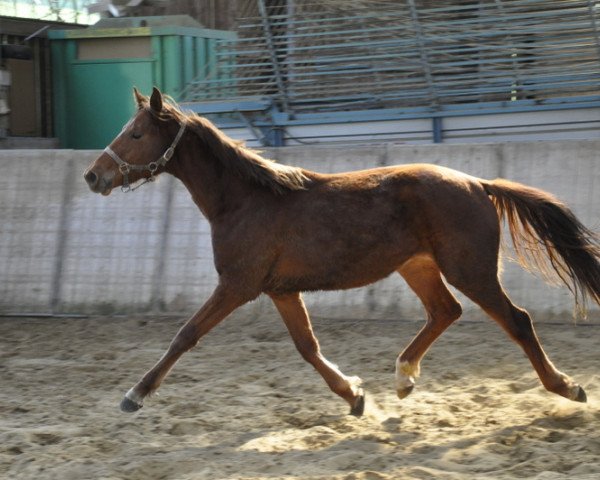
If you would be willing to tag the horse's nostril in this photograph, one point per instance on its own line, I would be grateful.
(90, 177)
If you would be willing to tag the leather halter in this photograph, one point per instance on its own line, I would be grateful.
(152, 167)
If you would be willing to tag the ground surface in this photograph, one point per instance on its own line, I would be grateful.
(243, 405)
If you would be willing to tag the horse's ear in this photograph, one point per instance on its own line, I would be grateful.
(139, 98)
(156, 101)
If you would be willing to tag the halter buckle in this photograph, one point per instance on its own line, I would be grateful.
(168, 153)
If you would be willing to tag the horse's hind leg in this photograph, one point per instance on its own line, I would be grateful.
(483, 287)
(294, 314)
(423, 276)
(517, 323)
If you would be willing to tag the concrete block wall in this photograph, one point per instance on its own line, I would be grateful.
(66, 250)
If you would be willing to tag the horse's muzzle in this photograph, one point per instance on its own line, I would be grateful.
(91, 178)
(98, 183)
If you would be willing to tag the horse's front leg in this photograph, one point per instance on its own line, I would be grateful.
(221, 303)
(294, 314)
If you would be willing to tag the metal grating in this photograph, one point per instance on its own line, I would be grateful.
(328, 56)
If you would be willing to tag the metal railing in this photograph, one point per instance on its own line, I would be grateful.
(332, 56)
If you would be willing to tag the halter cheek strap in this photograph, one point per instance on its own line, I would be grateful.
(152, 167)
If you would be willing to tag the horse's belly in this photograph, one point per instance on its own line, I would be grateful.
(330, 274)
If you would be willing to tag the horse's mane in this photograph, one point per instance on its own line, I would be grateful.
(234, 155)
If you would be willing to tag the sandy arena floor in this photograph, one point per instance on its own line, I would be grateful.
(244, 405)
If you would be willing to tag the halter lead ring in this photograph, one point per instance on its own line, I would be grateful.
(152, 167)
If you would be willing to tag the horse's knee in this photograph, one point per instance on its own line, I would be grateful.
(186, 339)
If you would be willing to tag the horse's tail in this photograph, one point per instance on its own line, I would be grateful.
(547, 237)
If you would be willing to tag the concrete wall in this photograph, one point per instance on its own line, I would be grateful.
(66, 250)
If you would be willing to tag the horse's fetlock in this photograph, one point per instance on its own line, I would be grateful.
(407, 369)
(406, 375)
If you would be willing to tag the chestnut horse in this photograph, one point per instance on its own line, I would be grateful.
(282, 230)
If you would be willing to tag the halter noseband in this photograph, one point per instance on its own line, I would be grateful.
(152, 167)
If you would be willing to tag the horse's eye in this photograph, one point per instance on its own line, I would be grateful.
(136, 135)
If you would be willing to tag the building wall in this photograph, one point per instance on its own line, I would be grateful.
(66, 250)
(218, 14)
(30, 90)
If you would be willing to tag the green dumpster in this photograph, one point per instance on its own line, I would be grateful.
(94, 70)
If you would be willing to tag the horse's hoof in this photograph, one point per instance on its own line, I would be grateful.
(359, 404)
(581, 396)
(128, 405)
(405, 391)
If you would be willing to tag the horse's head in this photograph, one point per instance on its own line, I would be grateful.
(141, 151)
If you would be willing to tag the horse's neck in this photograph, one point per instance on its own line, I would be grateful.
(213, 189)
